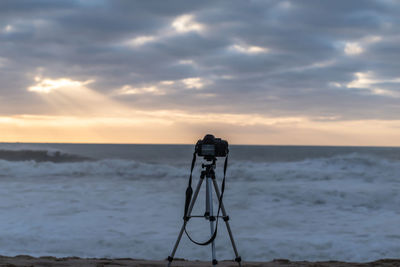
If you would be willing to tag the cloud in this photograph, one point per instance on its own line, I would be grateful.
(195, 83)
(353, 49)
(187, 62)
(249, 49)
(186, 23)
(7, 29)
(167, 82)
(50, 85)
(141, 40)
(181, 25)
(129, 90)
(315, 60)
(368, 80)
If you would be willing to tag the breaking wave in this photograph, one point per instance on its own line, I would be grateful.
(343, 207)
(30, 163)
(40, 156)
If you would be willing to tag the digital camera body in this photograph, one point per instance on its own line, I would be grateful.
(211, 147)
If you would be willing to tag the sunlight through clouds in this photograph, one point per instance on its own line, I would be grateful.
(49, 85)
(68, 96)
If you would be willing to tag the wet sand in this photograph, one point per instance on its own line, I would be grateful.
(74, 261)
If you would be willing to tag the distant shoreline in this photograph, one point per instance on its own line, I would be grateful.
(25, 260)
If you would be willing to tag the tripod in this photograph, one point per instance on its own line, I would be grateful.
(209, 174)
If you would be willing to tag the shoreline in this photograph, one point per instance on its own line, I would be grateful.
(25, 260)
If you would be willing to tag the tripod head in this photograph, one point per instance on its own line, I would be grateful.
(209, 162)
(209, 168)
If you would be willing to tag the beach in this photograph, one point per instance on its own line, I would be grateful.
(24, 260)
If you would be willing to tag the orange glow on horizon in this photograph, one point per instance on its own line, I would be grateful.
(158, 128)
(78, 114)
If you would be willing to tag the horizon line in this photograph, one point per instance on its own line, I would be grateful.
(186, 144)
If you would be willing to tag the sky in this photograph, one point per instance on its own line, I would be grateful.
(252, 72)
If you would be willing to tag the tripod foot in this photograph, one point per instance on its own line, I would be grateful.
(239, 260)
(170, 259)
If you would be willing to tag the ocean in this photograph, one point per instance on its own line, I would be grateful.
(295, 202)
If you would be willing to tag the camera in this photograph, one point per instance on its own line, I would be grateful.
(211, 147)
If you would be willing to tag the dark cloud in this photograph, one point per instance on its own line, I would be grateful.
(304, 72)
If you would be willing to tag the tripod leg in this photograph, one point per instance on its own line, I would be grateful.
(228, 227)
(207, 214)
(196, 193)
(211, 217)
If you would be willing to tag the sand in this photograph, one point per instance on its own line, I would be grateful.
(74, 261)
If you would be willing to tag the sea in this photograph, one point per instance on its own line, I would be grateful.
(312, 203)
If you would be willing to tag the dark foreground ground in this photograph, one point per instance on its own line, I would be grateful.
(73, 261)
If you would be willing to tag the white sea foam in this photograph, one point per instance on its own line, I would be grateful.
(29, 147)
(345, 207)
